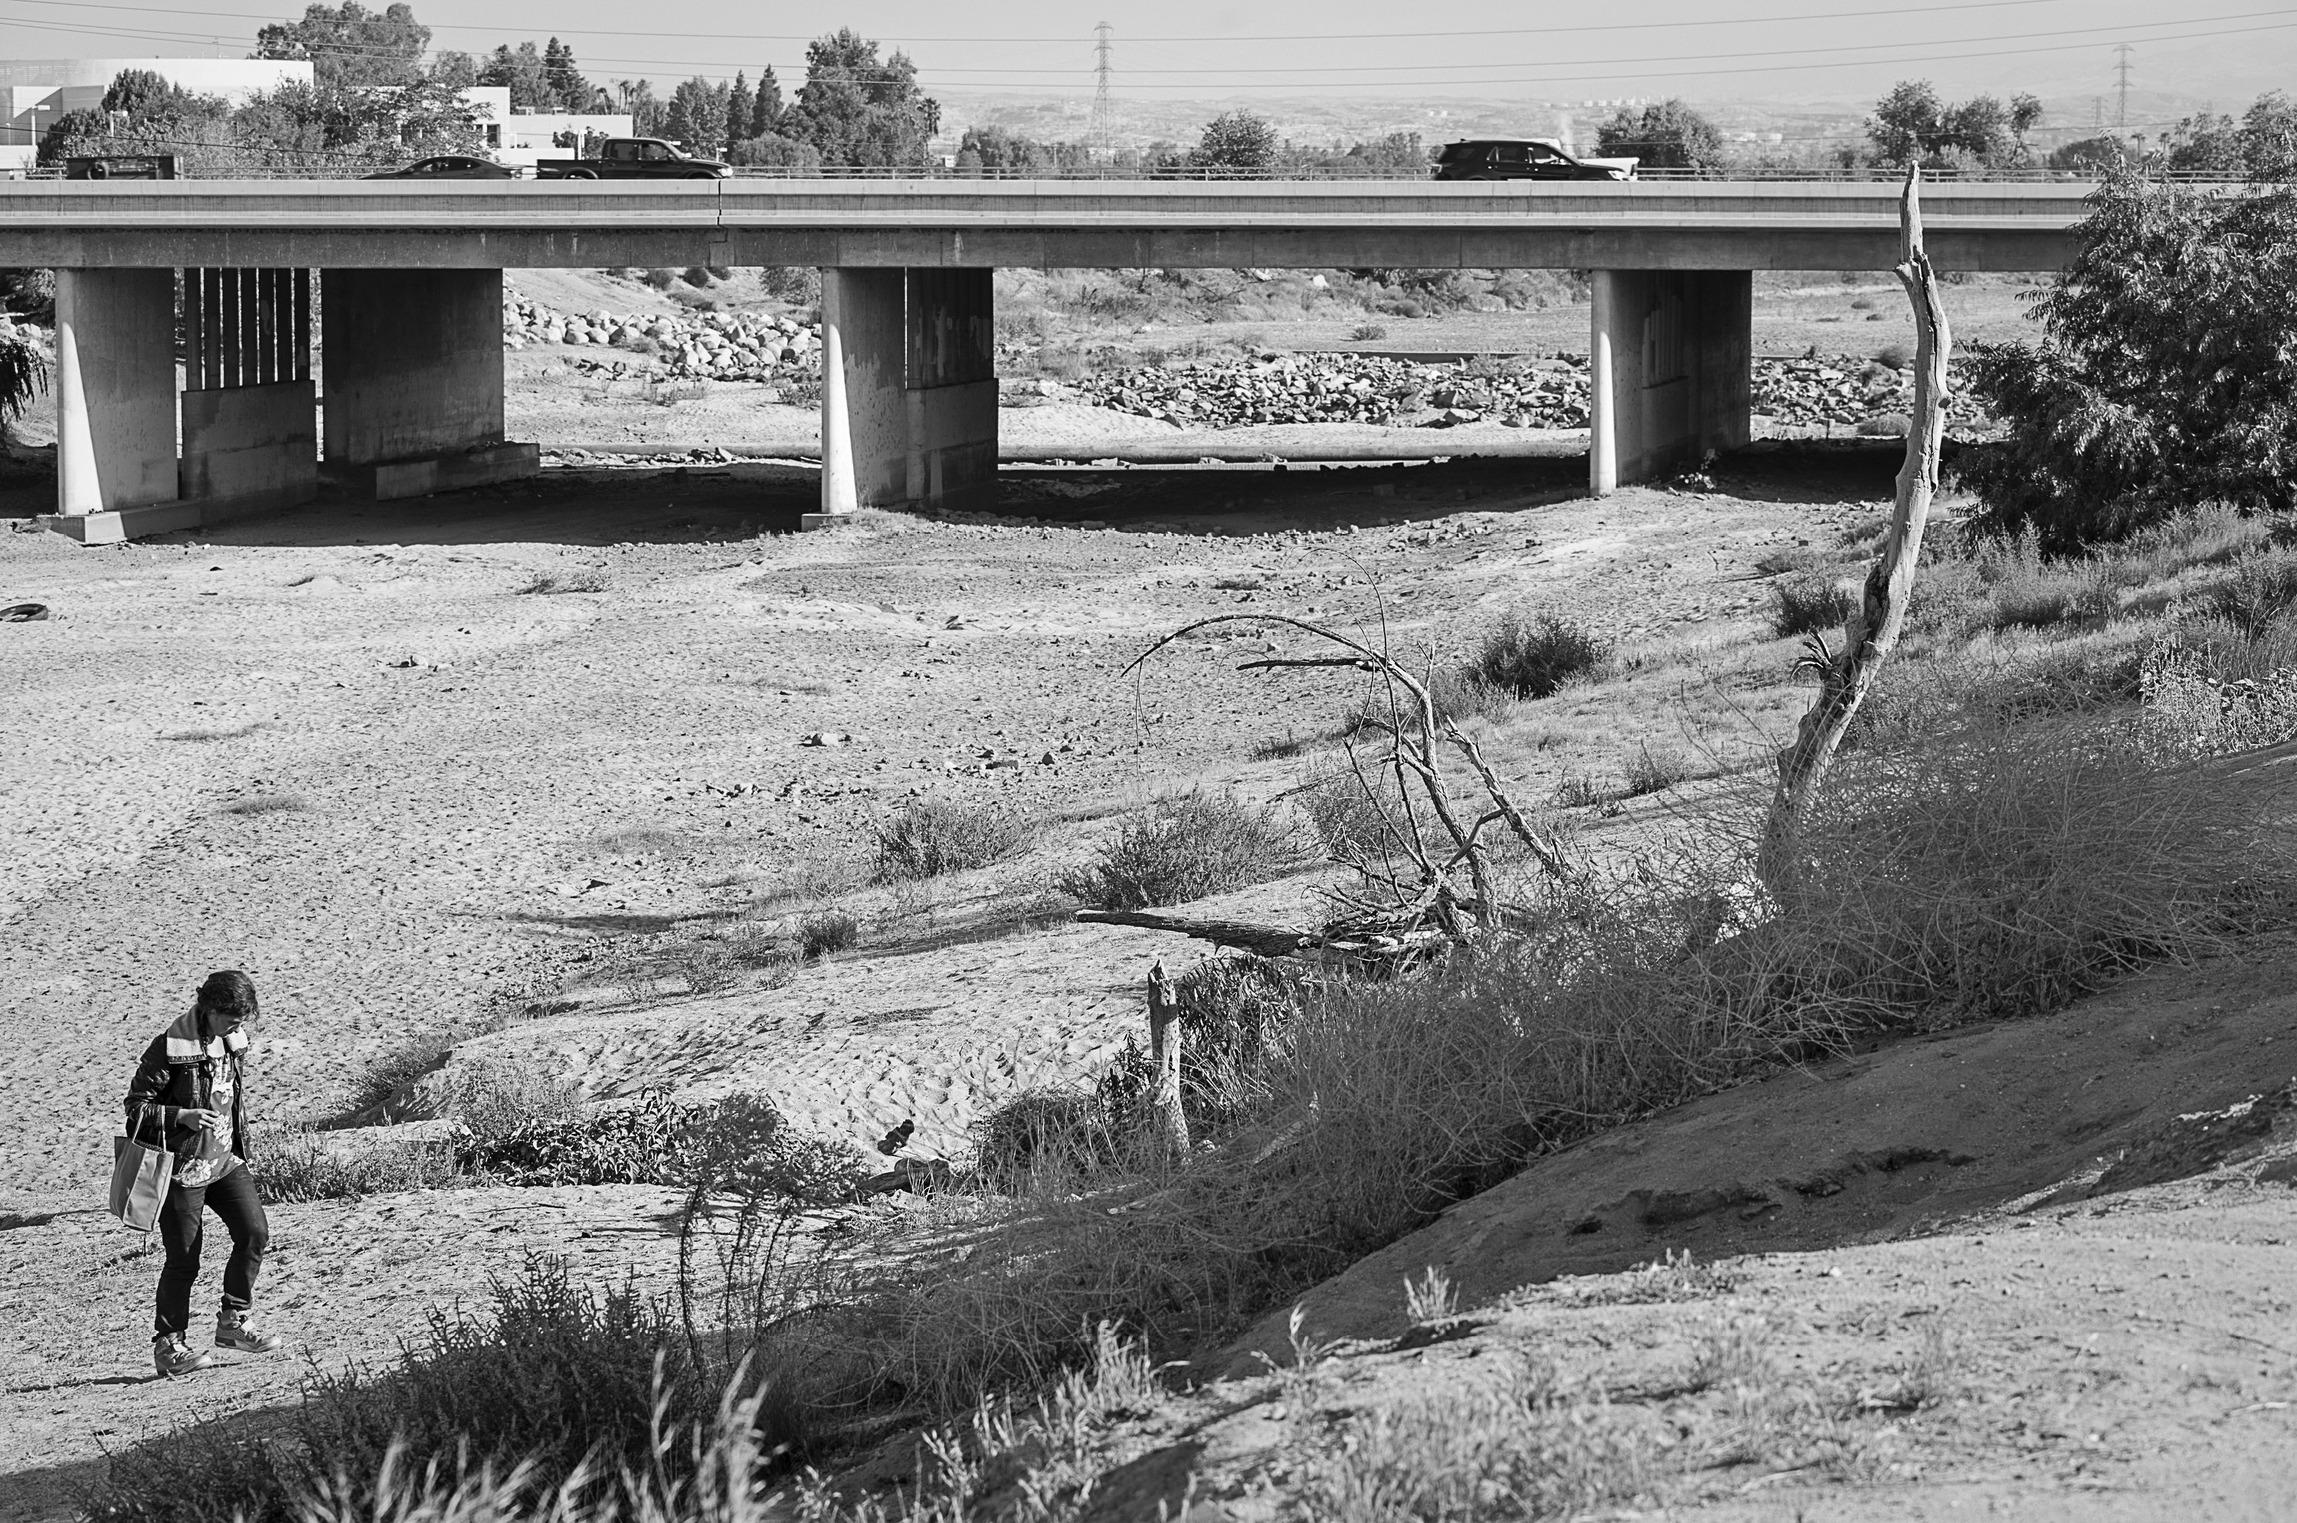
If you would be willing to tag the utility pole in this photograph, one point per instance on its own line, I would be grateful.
(1104, 127)
(2122, 53)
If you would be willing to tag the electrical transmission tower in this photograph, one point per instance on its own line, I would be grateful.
(2122, 53)
(1104, 129)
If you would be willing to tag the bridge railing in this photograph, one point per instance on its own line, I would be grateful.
(1310, 174)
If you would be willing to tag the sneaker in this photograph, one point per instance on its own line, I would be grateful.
(237, 1329)
(172, 1355)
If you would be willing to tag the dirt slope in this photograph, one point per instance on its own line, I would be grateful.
(1922, 1132)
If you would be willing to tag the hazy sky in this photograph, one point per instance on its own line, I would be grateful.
(1704, 49)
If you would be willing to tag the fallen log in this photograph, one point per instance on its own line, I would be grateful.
(1339, 943)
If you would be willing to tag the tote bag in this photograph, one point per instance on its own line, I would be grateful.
(141, 1175)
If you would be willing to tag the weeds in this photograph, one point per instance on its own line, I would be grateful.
(300, 1164)
(1184, 848)
(267, 803)
(1527, 1449)
(544, 583)
(1804, 605)
(824, 933)
(930, 837)
(1531, 658)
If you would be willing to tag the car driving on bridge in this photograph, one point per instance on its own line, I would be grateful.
(634, 158)
(1524, 158)
(448, 166)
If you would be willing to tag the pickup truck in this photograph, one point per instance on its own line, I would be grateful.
(633, 158)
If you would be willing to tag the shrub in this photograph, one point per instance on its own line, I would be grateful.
(300, 1165)
(1805, 605)
(2160, 382)
(825, 932)
(1652, 770)
(1893, 356)
(2262, 587)
(23, 370)
(659, 1141)
(1232, 1014)
(930, 837)
(1367, 333)
(1183, 848)
(1531, 658)
(1054, 1128)
(413, 1055)
(1350, 813)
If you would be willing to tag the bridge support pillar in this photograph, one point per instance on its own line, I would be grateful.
(1671, 362)
(250, 424)
(909, 389)
(412, 361)
(115, 405)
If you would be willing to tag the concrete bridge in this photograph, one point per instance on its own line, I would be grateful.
(215, 280)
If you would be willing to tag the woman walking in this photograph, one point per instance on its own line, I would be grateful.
(189, 1089)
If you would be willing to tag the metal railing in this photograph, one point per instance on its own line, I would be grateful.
(1307, 175)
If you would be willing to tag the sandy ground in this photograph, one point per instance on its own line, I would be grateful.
(488, 792)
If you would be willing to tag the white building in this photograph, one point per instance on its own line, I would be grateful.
(34, 92)
(522, 137)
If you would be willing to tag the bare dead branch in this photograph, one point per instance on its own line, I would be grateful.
(1847, 676)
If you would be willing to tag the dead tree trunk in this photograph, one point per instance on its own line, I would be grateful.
(1846, 677)
(1164, 1057)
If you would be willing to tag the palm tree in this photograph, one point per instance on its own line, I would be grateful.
(23, 369)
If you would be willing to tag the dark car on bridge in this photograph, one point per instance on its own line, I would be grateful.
(1524, 158)
(634, 158)
(449, 166)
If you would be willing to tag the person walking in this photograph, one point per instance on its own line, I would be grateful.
(190, 1089)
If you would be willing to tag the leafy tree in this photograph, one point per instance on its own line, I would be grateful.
(2091, 155)
(766, 111)
(645, 112)
(351, 45)
(2262, 145)
(741, 109)
(996, 149)
(1399, 153)
(769, 150)
(697, 118)
(2165, 376)
(855, 108)
(455, 70)
(521, 69)
(1235, 140)
(1669, 135)
(1913, 125)
(562, 79)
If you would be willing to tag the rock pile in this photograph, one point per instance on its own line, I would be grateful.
(1844, 389)
(715, 346)
(1549, 393)
(1346, 388)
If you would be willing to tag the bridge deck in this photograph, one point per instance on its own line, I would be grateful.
(521, 224)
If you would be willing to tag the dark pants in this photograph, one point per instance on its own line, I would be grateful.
(232, 1199)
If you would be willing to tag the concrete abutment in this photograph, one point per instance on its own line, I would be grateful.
(414, 381)
(909, 389)
(1671, 367)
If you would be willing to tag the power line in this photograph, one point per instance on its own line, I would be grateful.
(1388, 71)
(1533, 31)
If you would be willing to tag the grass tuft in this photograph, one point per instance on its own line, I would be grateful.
(1804, 605)
(1183, 848)
(930, 837)
(1531, 658)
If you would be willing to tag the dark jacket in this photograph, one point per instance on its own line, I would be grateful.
(170, 1088)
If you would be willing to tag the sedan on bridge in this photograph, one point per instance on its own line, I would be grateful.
(449, 166)
(1524, 158)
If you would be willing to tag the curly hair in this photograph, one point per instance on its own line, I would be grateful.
(227, 992)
